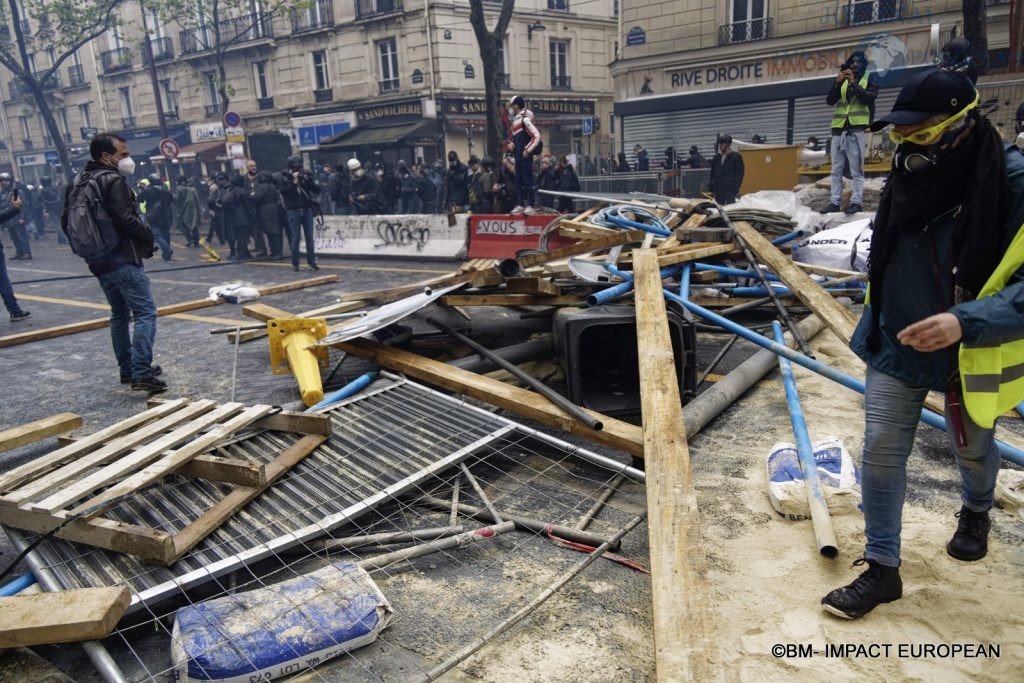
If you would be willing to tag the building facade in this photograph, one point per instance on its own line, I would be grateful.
(379, 79)
(760, 70)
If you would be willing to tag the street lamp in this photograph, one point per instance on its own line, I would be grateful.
(535, 26)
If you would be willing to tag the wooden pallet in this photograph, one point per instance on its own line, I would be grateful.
(84, 478)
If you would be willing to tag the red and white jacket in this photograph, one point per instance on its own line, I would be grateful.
(525, 135)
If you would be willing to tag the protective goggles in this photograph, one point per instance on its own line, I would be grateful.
(924, 136)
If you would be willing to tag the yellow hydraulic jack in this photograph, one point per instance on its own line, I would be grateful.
(289, 352)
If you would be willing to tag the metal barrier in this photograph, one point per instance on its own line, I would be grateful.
(686, 182)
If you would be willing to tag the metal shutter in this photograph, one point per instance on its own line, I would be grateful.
(811, 116)
(681, 129)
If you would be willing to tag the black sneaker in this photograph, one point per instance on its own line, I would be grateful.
(154, 370)
(19, 316)
(876, 585)
(852, 209)
(970, 542)
(151, 384)
(295, 267)
(313, 266)
(831, 208)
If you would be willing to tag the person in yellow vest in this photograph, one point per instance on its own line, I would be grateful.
(853, 95)
(946, 291)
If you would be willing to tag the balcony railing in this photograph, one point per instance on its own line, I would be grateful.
(561, 82)
(5, 32)
(27, 143)
(365, 9)
(562, 5)
(319, 15)
(265, 102)
(171, 114)
(857, 12)
(16, 88)
(212, 111)
(745, 31)
(116, 60)
(76, 75)
(390, 85)
(52, 83)
(26, 28)
(127, 122)
(161, 48)
(323, 95)
(242, 29)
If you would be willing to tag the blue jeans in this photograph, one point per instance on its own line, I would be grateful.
(848, 147)
(162, 236)
(130, 298)
(892, 411)
(6, 290)
(300, 224)
(526, 191)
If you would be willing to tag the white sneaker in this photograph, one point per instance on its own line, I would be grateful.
(529, 210)
(517, 209)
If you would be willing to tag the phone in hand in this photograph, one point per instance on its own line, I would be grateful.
(14, 193)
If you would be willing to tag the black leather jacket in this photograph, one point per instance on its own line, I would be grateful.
(119, 199)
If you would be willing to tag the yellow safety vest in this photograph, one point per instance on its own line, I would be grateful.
(992, 377)
(856, 111)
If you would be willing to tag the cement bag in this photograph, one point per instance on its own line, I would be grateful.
(281, 629)
(840, 480)
(846, 246)
(235, 293)
(1010, 491)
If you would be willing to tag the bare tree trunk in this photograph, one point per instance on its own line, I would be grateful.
(976, 32)
(489, 43)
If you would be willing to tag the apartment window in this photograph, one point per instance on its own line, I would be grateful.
(168, 98)
(156, 29)
(559, 56)
(47, 138)
(387, 54)
(76, 59)
(26, 131)
(65, 125)
(127, 110)
(85, 115)
(114, 39)
(869, 11)
(51, 55)
(321, 75)
(259, 74)
(32, 62)
(211, 87)
(749, 21)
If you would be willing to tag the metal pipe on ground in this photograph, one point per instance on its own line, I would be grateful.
(480, 492)
(525, 523)
(824, 534)
(562, 402)
(516, 353)
(462, 540)
(481, 641)
(585, 519)
(389, 538)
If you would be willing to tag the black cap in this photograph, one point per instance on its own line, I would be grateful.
(935, 91)
(726, 138)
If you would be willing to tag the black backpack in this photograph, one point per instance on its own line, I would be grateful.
(90, 230)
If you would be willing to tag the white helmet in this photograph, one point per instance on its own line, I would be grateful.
(354, 164)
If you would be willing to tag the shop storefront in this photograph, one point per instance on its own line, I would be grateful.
(387, 133)
(560, 123)
(36, 165)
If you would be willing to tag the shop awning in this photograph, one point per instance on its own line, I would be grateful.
(381, 136)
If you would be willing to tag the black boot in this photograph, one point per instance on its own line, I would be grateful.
(970, 542)
(876, 585)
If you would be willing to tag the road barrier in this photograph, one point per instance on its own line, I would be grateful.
(414, 236)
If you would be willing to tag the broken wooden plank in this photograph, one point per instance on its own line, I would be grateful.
(684, 644)
(830, 272)
(622, 237)
(835, 316)
(62, 456)
(61, 617)
(31, 432)
(264, 312)
(284, 421)
(99, 323)
(697, 252)
(188, 537)
(531, 285)
(617, 434)
(510, 300)
(226, 470)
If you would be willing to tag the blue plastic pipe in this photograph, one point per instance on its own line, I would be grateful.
(16, 586)
(684, 280)
(788, 237)
(779, 291)
(626, 223)
(735, 272)
(930, 418)
(824, 534)
(624, 287)
(350, 389)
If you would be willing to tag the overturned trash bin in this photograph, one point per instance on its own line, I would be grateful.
(597, 349)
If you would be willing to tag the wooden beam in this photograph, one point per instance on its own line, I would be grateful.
(585, 247)
(299, 423)
(31, 432)
(61, 617)
(531, 285)
(835, 316)
(829, 272)
(264, 312)
(99, 323)
(510, 300)
(617, 434)
(684, 644)
(227, 470)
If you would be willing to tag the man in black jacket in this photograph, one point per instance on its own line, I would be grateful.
(365, 198)
(726, 172)
(120, 273)
(6, 290)
(457, 183)
(159, 213)
(301, 194)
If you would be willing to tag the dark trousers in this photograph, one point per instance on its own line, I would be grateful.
(6, 290)
(241, 233)
(19, 234)
(300, 224)
(274, 242)
(216, 227)
(524, 181)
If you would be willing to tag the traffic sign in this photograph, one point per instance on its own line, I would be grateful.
(169, 148)
(232, 120)
(588, 125)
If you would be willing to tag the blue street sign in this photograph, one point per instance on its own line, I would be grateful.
(588, 125)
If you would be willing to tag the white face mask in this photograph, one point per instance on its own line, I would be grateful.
(126, 166)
